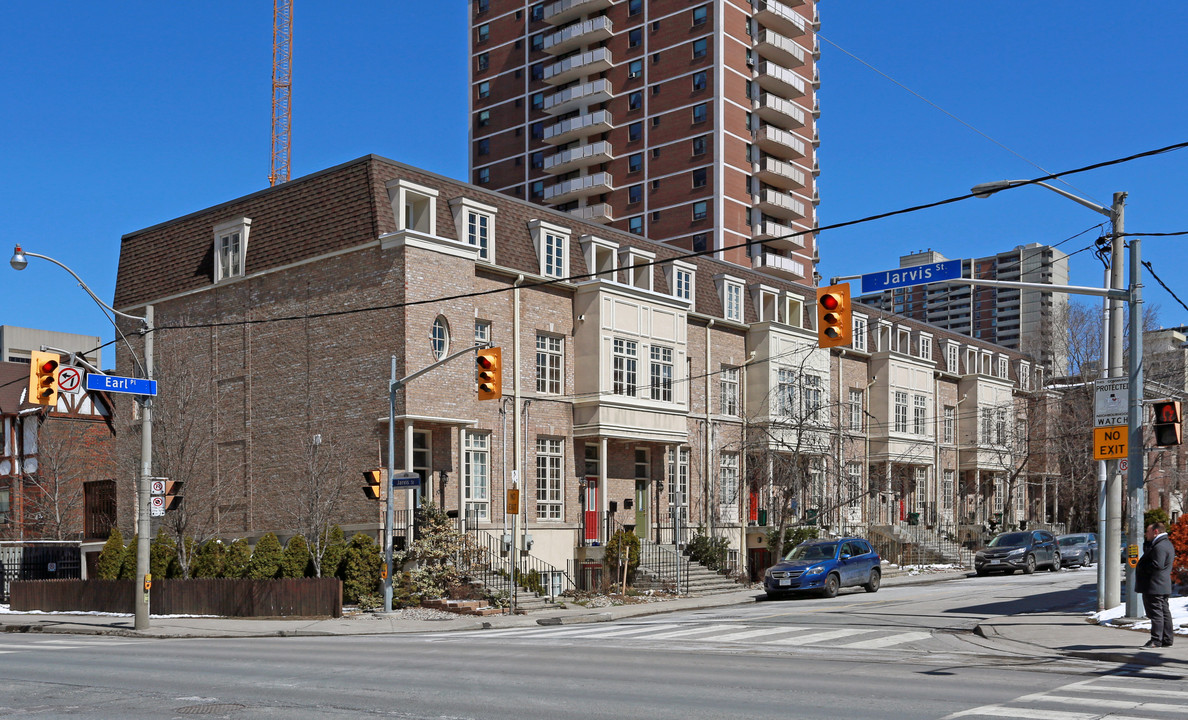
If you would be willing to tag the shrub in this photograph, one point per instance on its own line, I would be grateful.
(1155, 515)
(111, 558)
(295, 560)
(1178, 534)
(360, 570)
(434, 550)
(793, 536)
(163, 558)
(239, 554)
(128, 568)
(623, 547)
(709, 551)
(335, 549)
(266, 558)
(210, 560)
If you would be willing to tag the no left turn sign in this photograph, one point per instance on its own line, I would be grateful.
(69, 379)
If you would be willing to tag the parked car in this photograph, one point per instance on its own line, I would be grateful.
(1024, 550)
(825, 566)
(1077, 550)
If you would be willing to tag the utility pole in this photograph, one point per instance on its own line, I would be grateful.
(1135, 455)
(1113, 502)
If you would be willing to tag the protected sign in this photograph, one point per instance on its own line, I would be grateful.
(1109, 443)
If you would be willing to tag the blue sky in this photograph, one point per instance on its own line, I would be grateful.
(118, 116)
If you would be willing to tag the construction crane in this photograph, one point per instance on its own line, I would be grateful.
(282, 81)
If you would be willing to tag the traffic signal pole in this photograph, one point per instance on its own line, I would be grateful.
(394, 386)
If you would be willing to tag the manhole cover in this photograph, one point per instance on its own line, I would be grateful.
(212, 709)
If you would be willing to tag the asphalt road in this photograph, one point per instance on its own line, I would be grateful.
(905, 652)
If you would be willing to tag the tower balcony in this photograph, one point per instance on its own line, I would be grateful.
(779, 173)
(563, 11)
(578, 157)
(578, 127)
(578, 187)
(780, 204)
(574, 36)
(779, 266)
(780, 143)
(780, 112)
(576, 66)
(769, 230)
(780, 16)
(776, 79)
(597, 213)
(774, 46)
(572, 98)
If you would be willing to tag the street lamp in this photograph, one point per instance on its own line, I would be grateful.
(19, 261)
(1108, 576)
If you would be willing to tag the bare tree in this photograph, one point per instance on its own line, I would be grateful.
(53, 496)
(318, 489)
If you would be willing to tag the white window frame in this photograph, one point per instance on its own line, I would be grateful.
(920, 415)
(482, 332)
(476, 475)
(728, 480)
(857, 414)
(415, 206)
(786, 382)
(624, 367)
(901, 411)
(1004, 367)
(232, 231)
(728, 391)
(925, 348)
(475, 223)
(439, 337)
(661, 372)
(552, 248)
(811, 393)
(953, 357)
(550, 498)
(550, 364)
(860, 333)
(680, 276)
(854, 484)
(947, 490)
(950, 425)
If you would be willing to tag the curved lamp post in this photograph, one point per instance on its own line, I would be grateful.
(20, 261)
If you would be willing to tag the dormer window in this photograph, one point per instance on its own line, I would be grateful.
(925, 348)
(767, 303)
(415, 206)
(860, 325)
(552, 243)
(637, 265)
(730, 289)
(952, 356)
(475, 223)
(904, 341)
(680, 279)
(230, 248)
(602, 257)
(1004, 369)
(1024, 375)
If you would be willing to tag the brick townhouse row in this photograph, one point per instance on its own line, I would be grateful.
(636, 377)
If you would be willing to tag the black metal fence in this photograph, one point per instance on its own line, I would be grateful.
(38, 560)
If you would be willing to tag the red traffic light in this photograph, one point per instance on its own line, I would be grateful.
(829, 301)
(48, 366)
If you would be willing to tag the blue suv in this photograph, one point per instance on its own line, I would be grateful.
(825, 566)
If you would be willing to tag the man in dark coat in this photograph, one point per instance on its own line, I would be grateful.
(1152, 578)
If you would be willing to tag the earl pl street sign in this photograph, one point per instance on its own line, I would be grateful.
(917, 275)
(1109, 443)
(116, 384)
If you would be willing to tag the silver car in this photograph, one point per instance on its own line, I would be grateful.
(1078, 549)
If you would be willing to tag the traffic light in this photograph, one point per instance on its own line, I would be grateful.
(835, 325)
(173, 498)
(490, 373)
(374, 487)
(1167, 422)
(43, 378)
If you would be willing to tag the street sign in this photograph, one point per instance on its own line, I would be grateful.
(156, 487)
(513, 501)
(1113, 395)
(916, 275)
(1109, 443)
(157, 506)
(406, 480)
(116, 384)
(69, 380)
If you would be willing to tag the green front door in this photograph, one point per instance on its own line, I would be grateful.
(641, 508)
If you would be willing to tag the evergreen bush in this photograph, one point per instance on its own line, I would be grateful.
(210, 560)
(709, 551)
(266, 557)
(360, 569)
(111, 558)
(439, 542)
(335, 549)
(239, 554)
(295, 561)
(128, 568)
(623, 547)
(163, 558)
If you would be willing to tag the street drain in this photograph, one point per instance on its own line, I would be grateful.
(212, 709)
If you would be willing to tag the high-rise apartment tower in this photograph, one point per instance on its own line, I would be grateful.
(690, 122)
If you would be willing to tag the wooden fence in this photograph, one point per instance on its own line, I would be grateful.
(305, 597)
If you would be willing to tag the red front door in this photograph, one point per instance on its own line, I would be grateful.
(592, 506)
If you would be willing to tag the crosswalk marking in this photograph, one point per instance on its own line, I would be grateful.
(1091, 693)
(815, 637)
(887, 641)
(735, 637)
(628, 631)
(691, 631)
(1104, 702)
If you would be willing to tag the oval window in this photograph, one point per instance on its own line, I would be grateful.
(440, 337)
